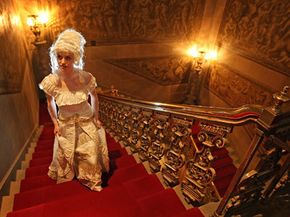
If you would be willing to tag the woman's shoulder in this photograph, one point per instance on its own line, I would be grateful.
(88, 79)
(52, 78)
(86, 75)
(49, 83)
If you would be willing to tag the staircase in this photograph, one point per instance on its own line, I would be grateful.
(129, 190)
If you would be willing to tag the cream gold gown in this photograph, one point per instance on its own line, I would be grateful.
(78, 150)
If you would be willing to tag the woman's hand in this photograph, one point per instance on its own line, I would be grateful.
(98, 123)
(56, 130)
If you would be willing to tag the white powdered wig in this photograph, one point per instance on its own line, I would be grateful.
(68, 41)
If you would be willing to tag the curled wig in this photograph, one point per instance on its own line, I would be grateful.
(68, 41)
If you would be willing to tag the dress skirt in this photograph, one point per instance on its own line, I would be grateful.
(78, 152)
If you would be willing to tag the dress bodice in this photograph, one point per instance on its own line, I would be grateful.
(70, 102)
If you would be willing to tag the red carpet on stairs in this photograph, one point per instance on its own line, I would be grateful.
(129, 191)
(225, 170)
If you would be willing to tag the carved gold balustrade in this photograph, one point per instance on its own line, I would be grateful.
(178, 142)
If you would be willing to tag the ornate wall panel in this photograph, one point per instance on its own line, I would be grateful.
(166, 70)
(12, 48)
(259, 30)
(117, 21)
(235, 89)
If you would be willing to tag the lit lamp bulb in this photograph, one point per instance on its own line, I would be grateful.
(36, 23)
(30, 21)
(193, 52)
(211, 55)
(43, 18)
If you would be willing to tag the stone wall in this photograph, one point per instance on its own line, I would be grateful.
(18, 97)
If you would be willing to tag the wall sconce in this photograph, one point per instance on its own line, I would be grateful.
(36, 22)
(199, 56)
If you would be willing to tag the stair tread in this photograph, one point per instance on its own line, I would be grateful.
(165, 203)
(36, 182)
(105, 203)
(193, 212)
(143, 186)
(127, 173)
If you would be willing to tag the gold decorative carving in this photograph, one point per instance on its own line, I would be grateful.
(132, 20)
(145, 140)
(259, 30)
(135, 134)
(197, 186)
(166, 70)
(159, 141)
(234, 89)
(175, 158)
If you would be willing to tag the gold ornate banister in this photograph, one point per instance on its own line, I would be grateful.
(179, 140)
(235, 116)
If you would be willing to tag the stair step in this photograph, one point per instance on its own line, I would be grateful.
(143, 186)
(220, 153)
(36, 171)
(43, 148)
(40, 161)
(222, 184)
(20, 174)
(47, 194)
(36, 182)
(124, 174)
(45, 142)
(117, 153)
(102, 204)
(42, 153)
(219, 163)
(225, 171)
(193, 212)
(165, 203)
(7, 205)
(121, 162)
(14, 187)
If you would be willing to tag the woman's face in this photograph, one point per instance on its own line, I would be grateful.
(65, 61)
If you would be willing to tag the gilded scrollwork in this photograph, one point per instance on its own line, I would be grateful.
(198, 185)
(212, 135)
(258, 30)
(135, 133)
(159, 141)
(179, 145)
(124, 125)
(146, 132)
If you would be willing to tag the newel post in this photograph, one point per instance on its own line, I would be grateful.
(271, 119)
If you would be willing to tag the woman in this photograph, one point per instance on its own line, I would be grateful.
(76, 123)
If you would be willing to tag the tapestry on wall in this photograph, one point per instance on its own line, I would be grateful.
(259, 30)
(12, 46)
(118, 21)
(166, 70)
(235, 89)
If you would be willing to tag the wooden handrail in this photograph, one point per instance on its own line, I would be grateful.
(232, 116)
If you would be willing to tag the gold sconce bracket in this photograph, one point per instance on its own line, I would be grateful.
(36, 22)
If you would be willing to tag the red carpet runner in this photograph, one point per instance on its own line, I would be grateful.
(129, 191)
